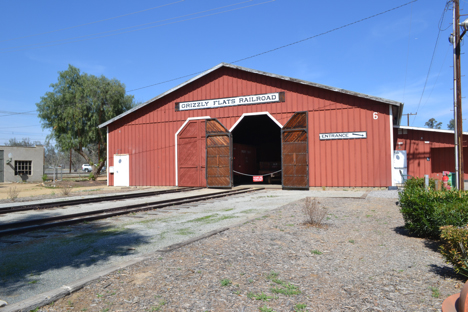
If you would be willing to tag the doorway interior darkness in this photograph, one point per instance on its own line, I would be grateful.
(256, 149)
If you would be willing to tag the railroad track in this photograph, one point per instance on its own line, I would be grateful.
(64, 220)
(80, 201)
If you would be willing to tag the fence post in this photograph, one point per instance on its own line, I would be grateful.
(426, 181)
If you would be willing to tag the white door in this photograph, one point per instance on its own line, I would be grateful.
(121, 170)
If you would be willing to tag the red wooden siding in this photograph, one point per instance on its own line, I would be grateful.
(421, 144)
(148, 134)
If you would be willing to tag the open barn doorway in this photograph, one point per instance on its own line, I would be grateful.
(256, 149)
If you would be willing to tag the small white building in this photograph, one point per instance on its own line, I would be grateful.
(21, 164)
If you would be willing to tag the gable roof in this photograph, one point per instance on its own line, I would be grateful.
(304, 82)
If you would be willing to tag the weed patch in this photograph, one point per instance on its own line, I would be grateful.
(184, 231)
(435, 292)
(260, 296)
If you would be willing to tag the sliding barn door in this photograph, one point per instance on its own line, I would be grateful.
(218, 155)
(191, 154)
(295, 156)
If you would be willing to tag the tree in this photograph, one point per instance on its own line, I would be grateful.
(451, 124)
(432, 123)
(25, 142)
(77, 105)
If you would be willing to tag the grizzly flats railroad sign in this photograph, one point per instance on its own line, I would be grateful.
(343, 135)
(232, 101)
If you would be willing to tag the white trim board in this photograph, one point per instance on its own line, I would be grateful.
(107, 162)
(391, 145)
(176, 150)
(255, 114)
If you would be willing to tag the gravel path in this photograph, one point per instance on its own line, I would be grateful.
(361, 260)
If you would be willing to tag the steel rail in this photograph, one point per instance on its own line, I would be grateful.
(33, 225)
(80, 201)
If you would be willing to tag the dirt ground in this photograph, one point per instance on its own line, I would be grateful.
(362, 259)
(36, 191)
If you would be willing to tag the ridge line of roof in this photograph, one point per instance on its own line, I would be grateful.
(304, 82)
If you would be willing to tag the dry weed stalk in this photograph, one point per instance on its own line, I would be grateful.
(313, 212)
(13, 193)
(66, 190)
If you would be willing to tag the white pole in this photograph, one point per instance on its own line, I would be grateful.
(454, 42)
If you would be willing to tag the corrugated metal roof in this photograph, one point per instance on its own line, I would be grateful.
(426, 129)
(304, 82)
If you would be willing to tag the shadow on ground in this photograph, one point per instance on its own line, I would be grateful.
(71, 248)
(402, 231)
(446, 271)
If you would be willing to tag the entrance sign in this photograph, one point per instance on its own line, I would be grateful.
(233, 101)
(258, 178)
(343, 135)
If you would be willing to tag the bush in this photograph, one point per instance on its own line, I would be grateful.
(313, 212)
(92, 176)
(455, 240)
(45, 177)
(13, 193)
(425, 211)
(66, 190)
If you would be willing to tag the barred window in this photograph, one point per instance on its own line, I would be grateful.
(23, 167)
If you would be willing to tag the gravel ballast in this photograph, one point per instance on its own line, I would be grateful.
(360, 260)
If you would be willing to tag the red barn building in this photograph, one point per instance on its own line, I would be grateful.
(428, 151)
(307, 134)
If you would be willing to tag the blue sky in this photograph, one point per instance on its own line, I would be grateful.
(386, 56)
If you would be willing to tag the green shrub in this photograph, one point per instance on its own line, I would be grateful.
(425, 211)
(45, 177)
(455, 240)
(92, 176)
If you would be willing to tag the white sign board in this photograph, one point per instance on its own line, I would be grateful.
(343, 135)
(233, 101)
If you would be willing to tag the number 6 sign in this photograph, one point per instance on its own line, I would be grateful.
(375, 115)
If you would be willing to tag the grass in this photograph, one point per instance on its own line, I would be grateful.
(351, 241)
(300, 307)
(265, 309)
(226, 282)
(249, 211)
(159, 306)
(287, 289)
(316, 252)
(272, 275)
(211, 219)
(435, 292)
(32, 282)
(260, 296)
(184, 231)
